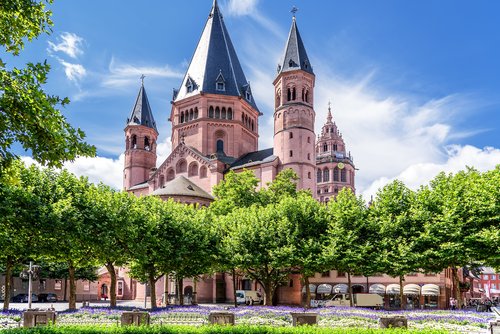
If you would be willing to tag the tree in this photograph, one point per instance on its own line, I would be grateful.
(398, 235)
(28, 115)
(261, 243)
(308, 220)
(351, 245)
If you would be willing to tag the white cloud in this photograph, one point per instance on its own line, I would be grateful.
(123, 74)
(241, 7)
(163, 150)
(458, 158)
(74, 72)
(71, 45)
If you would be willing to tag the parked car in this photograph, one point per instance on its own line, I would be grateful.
(47, 297)
(23, 298)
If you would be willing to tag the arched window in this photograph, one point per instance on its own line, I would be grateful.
(147, 147)
(288, 94)
(217, 112)
(191, 114)
(335, 147)
(181, 166)
(326, 175)
(308, 156)
(170, 174)
(161, 183)
(220, 146)
(223, 113)
(195, 112)
(325, 147)
(253, 125)
(203, 172)
(127, 142)
(278, 99)
(308, 140)
(319, 175)
(335, 174)
(293, 94)
(291, 135)
(193, 169)
(308, 175)
(134, 141)
(211, 112)
(291, 153)
(243, 118)
(229, 113)
(343, 177)
(182, 117)
(307, 96)
(303, 94)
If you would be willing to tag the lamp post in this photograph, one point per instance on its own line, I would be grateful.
(31, 273)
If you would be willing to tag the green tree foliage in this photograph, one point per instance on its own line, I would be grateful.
(398, 235)
(28, 115)
(309, 223)
(237, 190)
(352, 241)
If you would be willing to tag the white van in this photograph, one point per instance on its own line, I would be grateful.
(249, 297)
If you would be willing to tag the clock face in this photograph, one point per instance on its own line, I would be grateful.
(340, 165)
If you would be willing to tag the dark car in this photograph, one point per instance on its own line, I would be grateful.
(23, 298)
(47, 297)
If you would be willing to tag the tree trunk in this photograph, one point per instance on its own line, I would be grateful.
(456, 286)
(8, 276)
(401, 296)
(349, 289)
(181, 292)
(152, 287)
(72, 288)
(308, 293)
(268, 289)
(367, 285)
(195, 291)
(112, 288)
(233, 273)
(65, 297)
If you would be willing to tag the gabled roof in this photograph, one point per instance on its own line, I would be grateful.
(295, 55)
(254, 158)
(142, 114)
(181, 186)
(214, 55)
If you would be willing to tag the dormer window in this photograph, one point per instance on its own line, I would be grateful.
(248, 95)
(190, 85)
(220, 83)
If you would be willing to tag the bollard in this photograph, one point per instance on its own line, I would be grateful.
(396, 321)
(135, 318)
(32, 318)
(221, 318)
(299, 319)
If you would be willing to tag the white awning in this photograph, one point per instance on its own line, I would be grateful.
(312, 288)
(411, 289)
(324, 288)
(377, 288)
(340, 288)
(393, 289)
(430, 290)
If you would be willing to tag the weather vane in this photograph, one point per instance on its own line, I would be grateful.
(142, 79)
(294, 10)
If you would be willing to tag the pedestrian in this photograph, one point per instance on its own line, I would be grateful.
(453, 303)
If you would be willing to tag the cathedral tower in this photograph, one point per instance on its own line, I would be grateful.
(335, 166)
(294, 114)
(140, 142)
(214, 110)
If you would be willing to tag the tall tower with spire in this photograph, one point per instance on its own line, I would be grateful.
(294, 114)
(335, 166)
(214, 110)
(140, 142)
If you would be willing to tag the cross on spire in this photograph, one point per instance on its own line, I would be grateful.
(294, 10)
(142, 79)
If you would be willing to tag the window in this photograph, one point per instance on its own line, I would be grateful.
(493, 277)
(293, 94)
(220, 83)
(308, 140)
(291, 135)
(57, 284)
(335, 174)
(291, 153)
(485, 276)
(307, 96)
(221, 86)
(340, 274)
(308, 175)
(195, 112)
(229, 113)
(319, 175)
(86, 286)
(343, 177)
(189, 87)
(325, 274)
(325, 147)
(335, 147)
(220, 146)
(203, 172)
(308, 156)
(134, 141)
(493, 286)
(288, 94)
(223, 113)
(211, 112)
(326, 175)
(248, 95)
(217, 112)
(120, 289)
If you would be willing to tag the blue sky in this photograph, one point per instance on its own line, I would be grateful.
(414, 85)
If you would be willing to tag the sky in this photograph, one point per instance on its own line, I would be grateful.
(414, 85)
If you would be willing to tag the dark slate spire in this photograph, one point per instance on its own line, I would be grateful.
(215, 67)
(142, 114)
(295, 56)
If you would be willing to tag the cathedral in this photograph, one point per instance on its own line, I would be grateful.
(215, 127)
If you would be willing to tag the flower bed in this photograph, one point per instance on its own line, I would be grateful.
(279, 316)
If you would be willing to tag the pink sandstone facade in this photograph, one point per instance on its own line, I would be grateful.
(215, 129)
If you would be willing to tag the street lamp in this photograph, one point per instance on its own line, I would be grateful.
(31, 273)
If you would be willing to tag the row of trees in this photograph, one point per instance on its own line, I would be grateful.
(264, 234)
